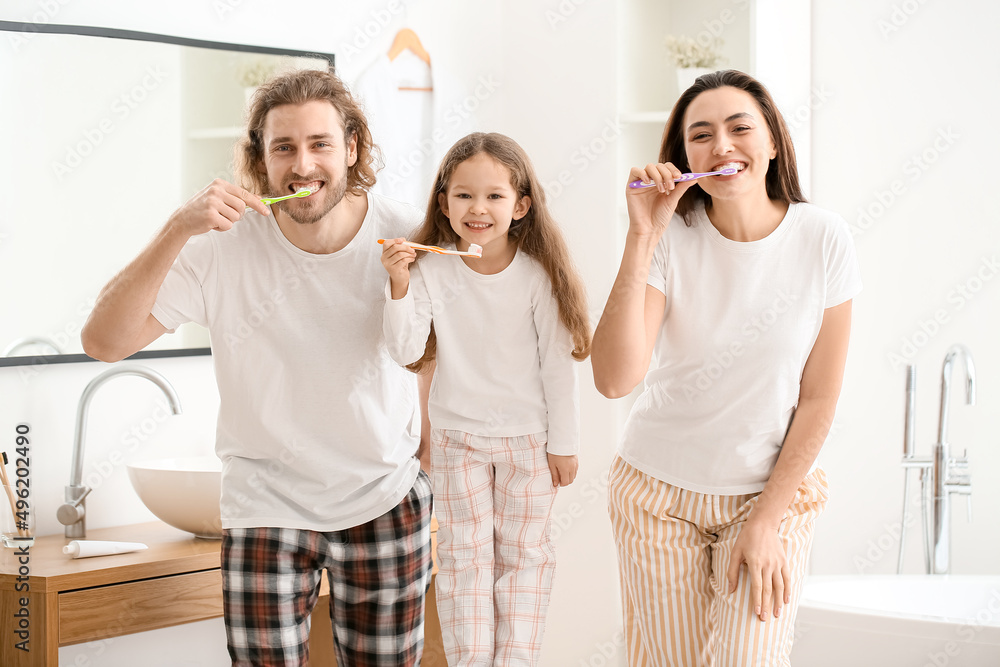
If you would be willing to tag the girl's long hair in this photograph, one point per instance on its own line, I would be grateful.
(536, 234)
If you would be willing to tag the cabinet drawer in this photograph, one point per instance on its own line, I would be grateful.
(110, 611)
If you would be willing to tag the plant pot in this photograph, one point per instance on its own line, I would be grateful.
(687, 75)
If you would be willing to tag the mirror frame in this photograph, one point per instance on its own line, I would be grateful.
(115, 33)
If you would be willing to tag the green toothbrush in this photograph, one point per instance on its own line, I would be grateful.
(304, 192)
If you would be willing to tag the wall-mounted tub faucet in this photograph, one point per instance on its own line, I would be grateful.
(72, 513)
(941, 474)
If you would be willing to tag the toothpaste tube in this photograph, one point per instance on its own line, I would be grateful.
(88, 548)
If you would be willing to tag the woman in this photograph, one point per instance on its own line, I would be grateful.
(740, 294)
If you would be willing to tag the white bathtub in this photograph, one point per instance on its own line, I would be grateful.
(898, 621)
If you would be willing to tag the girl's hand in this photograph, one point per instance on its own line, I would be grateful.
(650, 209)
(563, 469)
(760, 547)
(396, 258)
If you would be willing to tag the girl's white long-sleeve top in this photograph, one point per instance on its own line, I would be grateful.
(504, 364)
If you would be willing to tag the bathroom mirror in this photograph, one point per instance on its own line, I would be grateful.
(107, 133)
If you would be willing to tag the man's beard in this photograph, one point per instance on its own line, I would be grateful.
(311, 209)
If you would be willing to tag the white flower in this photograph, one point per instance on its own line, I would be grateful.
(253, 73)
(685, 52)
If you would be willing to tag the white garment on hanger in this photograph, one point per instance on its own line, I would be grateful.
(401, 125)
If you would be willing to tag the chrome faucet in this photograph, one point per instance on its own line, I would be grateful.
(72, 513)
(951, 474)
(941, 475)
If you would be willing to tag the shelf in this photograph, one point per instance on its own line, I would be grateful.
(233, 132)
(643, 116)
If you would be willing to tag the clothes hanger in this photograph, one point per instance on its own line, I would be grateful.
(407, 39)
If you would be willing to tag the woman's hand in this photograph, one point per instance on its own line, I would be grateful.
(396, 258)
(563, 469)
(759, 546)
(650, 209)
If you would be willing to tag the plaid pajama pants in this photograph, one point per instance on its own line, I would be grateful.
(378, 574)
(493, 498)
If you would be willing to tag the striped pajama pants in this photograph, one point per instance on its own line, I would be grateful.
(493, 498)
(673, 552)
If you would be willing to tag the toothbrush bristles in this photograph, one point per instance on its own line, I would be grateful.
(476, 250)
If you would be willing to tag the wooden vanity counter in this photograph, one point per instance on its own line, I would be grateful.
(176, 580)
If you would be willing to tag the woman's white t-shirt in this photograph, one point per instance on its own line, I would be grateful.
(739, 323)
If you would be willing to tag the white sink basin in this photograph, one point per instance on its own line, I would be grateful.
(183, 493)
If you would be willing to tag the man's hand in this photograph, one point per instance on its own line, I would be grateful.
(216, 207)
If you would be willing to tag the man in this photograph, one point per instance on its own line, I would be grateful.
(318, 429)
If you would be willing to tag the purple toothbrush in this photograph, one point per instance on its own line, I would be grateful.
(725, 171)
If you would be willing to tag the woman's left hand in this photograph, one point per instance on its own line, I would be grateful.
(760, 548)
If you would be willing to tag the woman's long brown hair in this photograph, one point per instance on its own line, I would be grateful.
(536, 234)
(782, 179)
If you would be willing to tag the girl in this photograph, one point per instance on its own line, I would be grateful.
(740, 293)
(503, 405)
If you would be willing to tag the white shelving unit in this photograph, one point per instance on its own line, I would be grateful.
(769, 39)
(647, 79)
(213, 106)
(749, 30)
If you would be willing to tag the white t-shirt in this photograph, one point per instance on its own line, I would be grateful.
(739, 323)
(317, 425)
(504, 359)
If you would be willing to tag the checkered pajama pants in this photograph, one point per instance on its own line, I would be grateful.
(378, 574)
(493, 498)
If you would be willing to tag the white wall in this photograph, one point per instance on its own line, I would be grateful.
(560, 104)
(903, 96)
